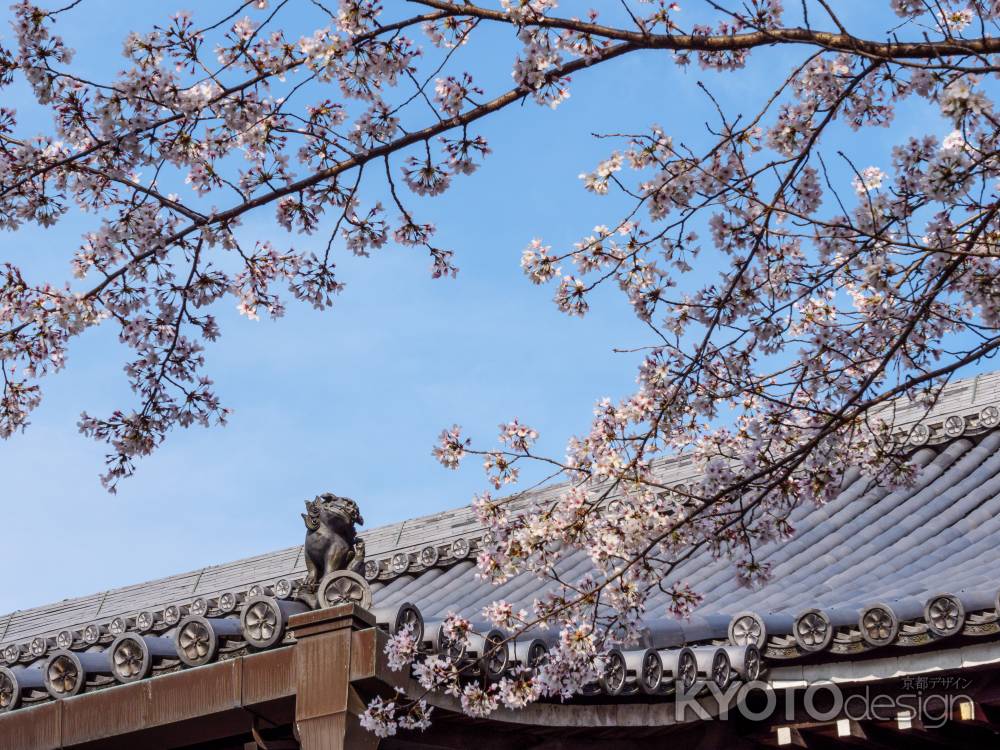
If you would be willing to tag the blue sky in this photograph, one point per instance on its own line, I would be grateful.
(350, 400)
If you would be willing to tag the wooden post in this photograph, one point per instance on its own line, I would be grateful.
(326, 712)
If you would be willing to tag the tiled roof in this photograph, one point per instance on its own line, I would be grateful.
(867, 570)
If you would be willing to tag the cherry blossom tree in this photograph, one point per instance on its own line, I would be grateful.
(833, 299)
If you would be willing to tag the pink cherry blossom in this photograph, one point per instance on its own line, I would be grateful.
(785, 315)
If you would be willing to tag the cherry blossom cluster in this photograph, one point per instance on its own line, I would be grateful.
(569, 669)
(844, 288)
(203, 125)
(793, 293)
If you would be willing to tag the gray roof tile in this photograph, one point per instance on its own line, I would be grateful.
(865, 544)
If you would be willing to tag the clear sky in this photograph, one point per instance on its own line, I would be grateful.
(350, 400)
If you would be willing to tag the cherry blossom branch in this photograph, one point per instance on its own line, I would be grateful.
(835, 42)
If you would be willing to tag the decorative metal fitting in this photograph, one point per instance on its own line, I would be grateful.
(954, 426)
(38, 647)
(745, 660)
(681, 666)
(92, 634)
(398, 617)
(409, 616)
(713, 665)
(944, 615)
(12, 653)
(344, 587)
(264, 618)
(747, 628)
(371, 570)
(722, 669)
(812, 630)
(437, 641)
(282, 588)
(144, 621)
(460, 549)
(878, 625)
(10, 691)
(227, 602)
(172, 615)
(752, 664)
(649, 674)
(14, 682)
(196, 641)
(399, 563)
(429, 556)
(262, 623)
(613, 674)
(495, 656)
(530, 653)
(64, 675)
(130, 658)
(919, 434)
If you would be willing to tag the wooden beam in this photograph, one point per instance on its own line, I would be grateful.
(186, 707)
(782, 736)
(326, 707)
(910, 731)
(843, 733)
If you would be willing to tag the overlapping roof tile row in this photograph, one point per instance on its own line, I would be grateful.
(870, 569)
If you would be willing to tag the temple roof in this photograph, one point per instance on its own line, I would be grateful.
(868, 570)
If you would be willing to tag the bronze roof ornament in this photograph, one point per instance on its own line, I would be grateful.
(332, 546)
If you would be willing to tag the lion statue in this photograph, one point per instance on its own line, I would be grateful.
(332, 542)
